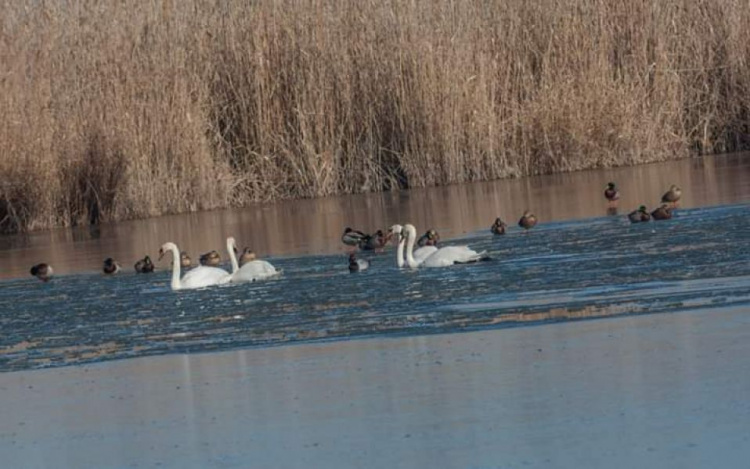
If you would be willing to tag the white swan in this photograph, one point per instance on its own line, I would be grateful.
(199, 277)
(419, 255)
(442, 257)
(250, 271)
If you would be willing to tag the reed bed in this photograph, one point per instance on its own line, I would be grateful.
(134, 108)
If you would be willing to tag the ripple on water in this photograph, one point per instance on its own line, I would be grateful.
(561, 271)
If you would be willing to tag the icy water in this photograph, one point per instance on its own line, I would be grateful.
(584, 268)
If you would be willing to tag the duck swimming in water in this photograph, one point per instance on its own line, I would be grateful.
(611, 193)
(528, 220)
(144, 266)
(430, 238)
(211, 258)
(662, 213)
(42, 271)
(375, 242)
(352, 237)
(672, 196)
(247, 256)
(185, 260)
(640, 215)
(110, 266)
(357, 265)
(498, 227)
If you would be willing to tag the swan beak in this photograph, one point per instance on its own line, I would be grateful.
(161, 253)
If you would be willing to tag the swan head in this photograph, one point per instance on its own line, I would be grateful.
(396, 230)
(165, 248)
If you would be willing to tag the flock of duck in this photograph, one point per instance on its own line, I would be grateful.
(427, 254)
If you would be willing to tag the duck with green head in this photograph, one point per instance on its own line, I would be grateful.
(353, 238)
(430, 238)
(640, 215)
(144, 266)
(611, 193)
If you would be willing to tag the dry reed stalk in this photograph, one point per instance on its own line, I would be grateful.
(126, 109)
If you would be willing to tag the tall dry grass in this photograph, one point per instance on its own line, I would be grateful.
(133, 108)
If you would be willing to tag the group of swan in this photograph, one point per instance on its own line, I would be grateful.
(205, 276)
(430, 256)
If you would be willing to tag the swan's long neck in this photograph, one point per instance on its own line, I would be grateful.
(232, 256)
(176, 284)
(411, 233)
(400, 251)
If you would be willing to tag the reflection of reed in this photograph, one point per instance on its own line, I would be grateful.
(315, 225)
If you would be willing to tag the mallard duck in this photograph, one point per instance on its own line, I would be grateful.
(640, 215)
(375, 241)
(430, 238)
(185, 260)
(247, 256)
(144, 266)
(357, 265)
(672, 196)
(611, 193)
(662, 213)
(42, 271)
(352, 237)
(498, 227)
(110, 266)
(210, 258)
(528, 220)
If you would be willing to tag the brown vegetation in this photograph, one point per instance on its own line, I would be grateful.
(131, 108)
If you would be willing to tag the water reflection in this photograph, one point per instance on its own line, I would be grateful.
(314, 226)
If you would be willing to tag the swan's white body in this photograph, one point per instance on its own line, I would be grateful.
(435, 257)
(250, 271)
(200, 277)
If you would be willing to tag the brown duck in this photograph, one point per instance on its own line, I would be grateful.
(211, 258)
(185, 260)
(527, 221)
(672, 196)
(498, 227)
(662, 213)
(430, 238)
(247, 256)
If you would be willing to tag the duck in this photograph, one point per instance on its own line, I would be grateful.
(640, 215)
(185, 260)
(662, 213)
(357, 265)
(611, 193)
(429, 238)
(528, 220)
(352, 237)
(211, 258)
(247, 256)
(42, 271)
(375, 242)
(110, 266)
(498, 227)
(672, 196)
(144, 266)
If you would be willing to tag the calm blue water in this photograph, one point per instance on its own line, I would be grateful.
(559, 271)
